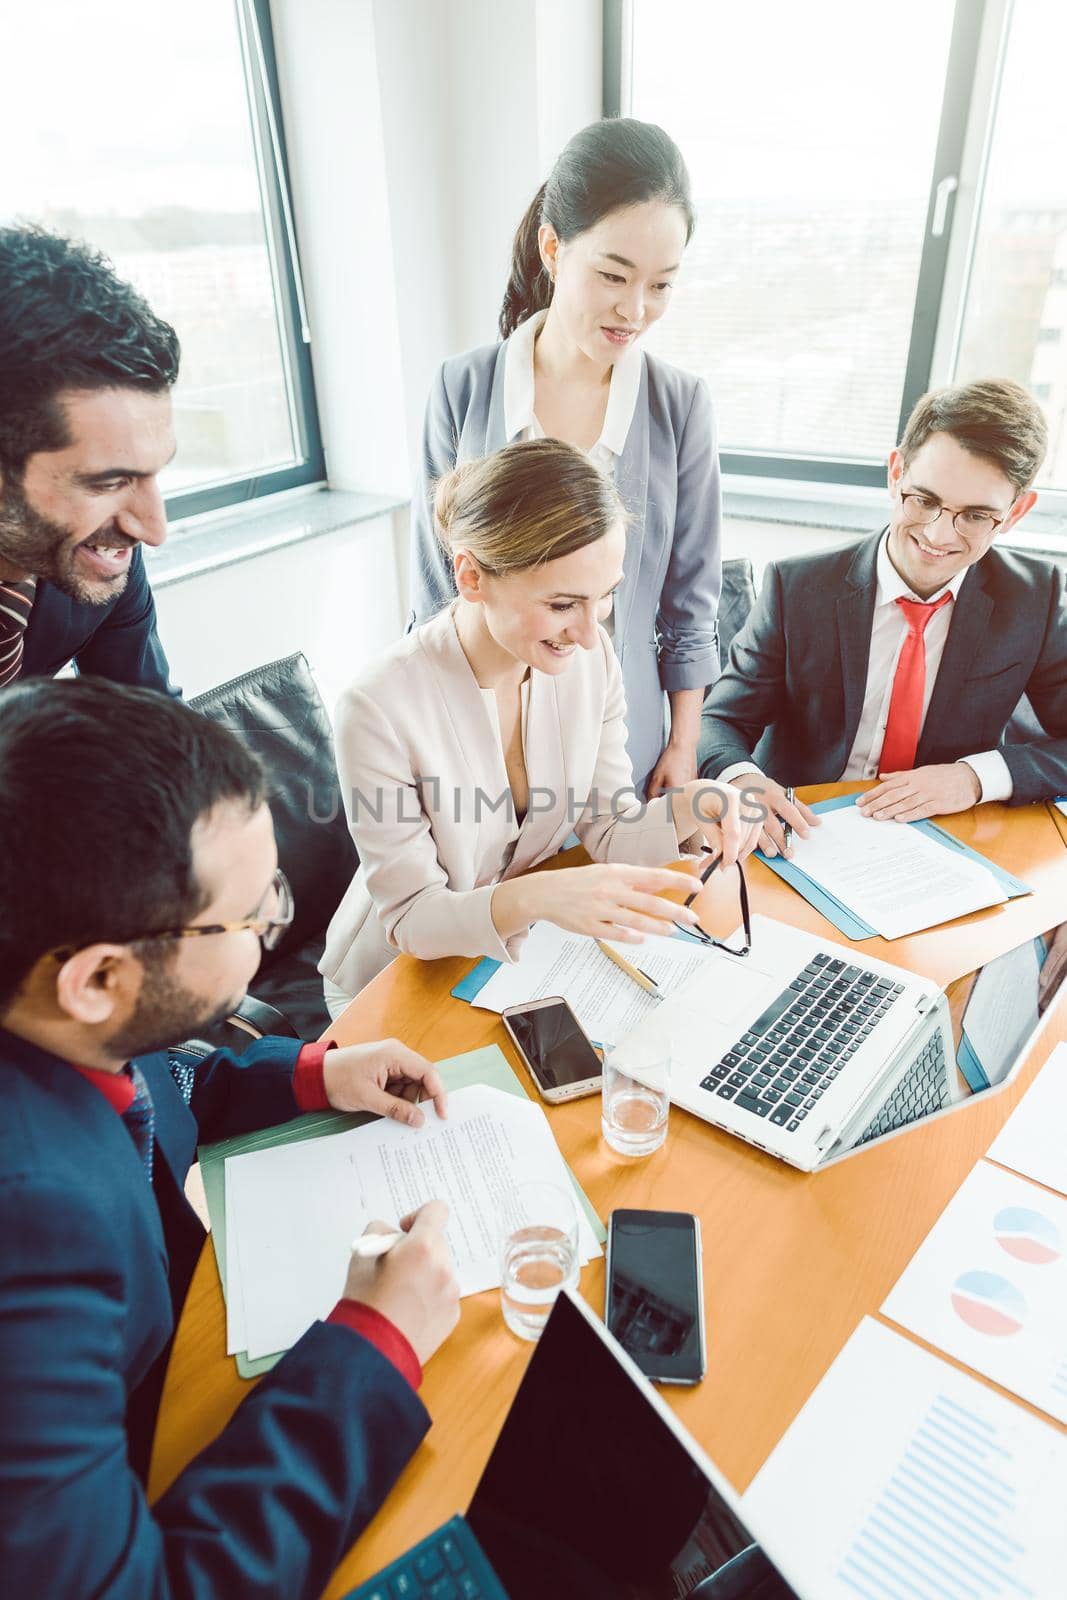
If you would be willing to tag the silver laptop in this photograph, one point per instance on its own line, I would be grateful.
(809, 1050)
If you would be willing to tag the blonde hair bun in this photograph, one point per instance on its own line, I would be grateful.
(530, 502)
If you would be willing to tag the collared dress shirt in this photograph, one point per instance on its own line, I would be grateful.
(889, 629)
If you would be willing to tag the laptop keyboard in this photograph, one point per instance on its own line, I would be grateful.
(786, 1060)
(447, 1565)
(922, 1089)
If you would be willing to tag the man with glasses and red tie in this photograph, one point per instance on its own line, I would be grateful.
(904, 658)
(86, 370)
(138, 877)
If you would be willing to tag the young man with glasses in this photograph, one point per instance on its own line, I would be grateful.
(904, 658)
(138, 876)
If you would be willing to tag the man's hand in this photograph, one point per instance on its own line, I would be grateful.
(1053, 969)
(923, 792)
(763, 793)
(676, 767)
(414, 1285)
(385, 1077)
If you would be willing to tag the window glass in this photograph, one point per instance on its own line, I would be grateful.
(1015, 310)
(127, 123)
(810, 136)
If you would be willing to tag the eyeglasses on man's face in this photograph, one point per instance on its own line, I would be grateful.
(701, 934)
(269, 926)
(969, 523)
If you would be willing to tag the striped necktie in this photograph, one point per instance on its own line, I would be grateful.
(16, 603)
(140, 1118)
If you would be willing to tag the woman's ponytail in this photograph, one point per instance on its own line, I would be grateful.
(612, 164)
(529, 286)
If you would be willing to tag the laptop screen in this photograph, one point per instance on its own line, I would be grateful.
(590, 1491)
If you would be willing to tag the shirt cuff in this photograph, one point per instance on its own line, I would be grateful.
(309, 1088)
(384, 1335)
(737, 770)
(993, 774)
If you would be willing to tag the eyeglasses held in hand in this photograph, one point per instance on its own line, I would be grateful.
(701, 934)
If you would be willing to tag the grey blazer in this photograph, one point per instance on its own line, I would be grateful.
(668, 477)
(791, 695)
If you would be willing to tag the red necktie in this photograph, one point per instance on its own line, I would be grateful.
(16, 603)
(909, 685)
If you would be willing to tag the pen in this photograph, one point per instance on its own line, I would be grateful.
(372, 1245)
(642, 979)
(787, 827)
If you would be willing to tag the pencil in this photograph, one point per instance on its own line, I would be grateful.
(642, 979)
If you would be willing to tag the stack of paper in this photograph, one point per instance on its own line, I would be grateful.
(606, 1002)
(903, 1479)
(293, 1210)
(893, 877)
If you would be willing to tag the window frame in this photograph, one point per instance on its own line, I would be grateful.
(268, 138)
(975, 59)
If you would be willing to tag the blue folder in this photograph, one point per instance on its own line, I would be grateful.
(839, 914)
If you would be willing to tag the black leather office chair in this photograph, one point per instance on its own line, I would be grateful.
(278, 711)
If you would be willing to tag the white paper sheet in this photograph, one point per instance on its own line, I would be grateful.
(903, 1479)
(988, 1285)
(1001, 1012)
(892, 876)
(606, 1002)
(295, 1209)
(1033, 1141)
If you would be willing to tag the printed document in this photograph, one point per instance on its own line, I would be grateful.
(606, 1002)
(1033, 1141)
(988, 1285)
(903, 1477)
(893, 876)
(293, 1210)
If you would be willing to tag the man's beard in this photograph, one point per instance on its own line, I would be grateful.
(165, 1014)
(44, 549)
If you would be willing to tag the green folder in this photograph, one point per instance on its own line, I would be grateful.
(487, 1066)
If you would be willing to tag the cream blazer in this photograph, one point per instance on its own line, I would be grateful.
(426, 794)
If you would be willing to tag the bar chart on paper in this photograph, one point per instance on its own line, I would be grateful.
(934, 1485)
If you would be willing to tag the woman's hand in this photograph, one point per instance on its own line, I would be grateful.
(717, 810)
(613, 902)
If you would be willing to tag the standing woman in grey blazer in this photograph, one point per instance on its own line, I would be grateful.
(595, 258)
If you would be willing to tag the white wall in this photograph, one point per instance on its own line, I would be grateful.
(336, 597)
(418, 133)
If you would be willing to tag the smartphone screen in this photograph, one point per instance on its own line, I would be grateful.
(654, 1300)
(556, 1050)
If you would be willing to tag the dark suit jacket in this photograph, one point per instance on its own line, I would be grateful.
(94, 1267)
(792, 693)
(118, 640)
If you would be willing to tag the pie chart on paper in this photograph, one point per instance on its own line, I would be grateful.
(1027, 1235)
(989, 1304)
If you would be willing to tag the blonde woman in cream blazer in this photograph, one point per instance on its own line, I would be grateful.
(483, 739)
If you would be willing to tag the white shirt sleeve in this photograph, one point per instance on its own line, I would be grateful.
(993, 774)
(737, 770)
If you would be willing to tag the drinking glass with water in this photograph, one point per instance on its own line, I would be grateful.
(636, 1098)
(539, 1255)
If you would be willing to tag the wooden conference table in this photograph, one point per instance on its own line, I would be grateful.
(792, 1261)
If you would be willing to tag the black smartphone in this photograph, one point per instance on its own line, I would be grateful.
(655, 1293)
(555, 1047)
